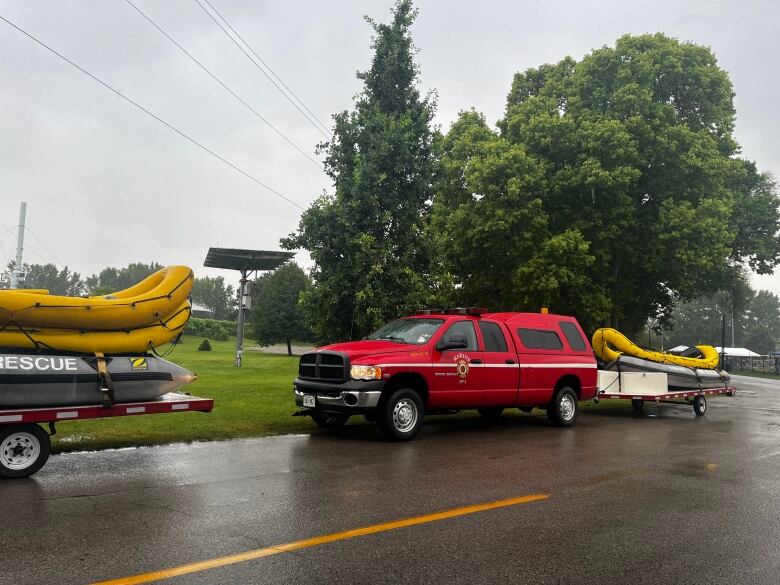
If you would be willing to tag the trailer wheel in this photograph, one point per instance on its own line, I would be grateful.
(330, 421)
(638, 404)
(562, 411)
(400, 415)
(24, 449)
(700, 405)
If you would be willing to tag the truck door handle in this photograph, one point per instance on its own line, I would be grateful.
(509, 361)
(477, 361)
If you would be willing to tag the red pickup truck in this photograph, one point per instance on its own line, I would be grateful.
(439, 362)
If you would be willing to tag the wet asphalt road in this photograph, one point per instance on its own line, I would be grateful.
(663, 498)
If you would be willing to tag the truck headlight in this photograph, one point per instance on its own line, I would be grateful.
(365, 372)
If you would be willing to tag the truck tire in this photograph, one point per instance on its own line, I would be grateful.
(490, 414)
(638, 404)
(329, 421)
(24, 449)
(563, 409)
(400, 415)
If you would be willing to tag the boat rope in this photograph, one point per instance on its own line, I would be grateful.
(38, 344)
(168, 351)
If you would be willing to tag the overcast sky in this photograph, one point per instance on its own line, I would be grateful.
(107, 185)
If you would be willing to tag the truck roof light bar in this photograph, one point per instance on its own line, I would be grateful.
(430, 312)
(474, 311)
(466, 311)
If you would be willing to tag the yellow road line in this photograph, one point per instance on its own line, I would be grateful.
(318, 540)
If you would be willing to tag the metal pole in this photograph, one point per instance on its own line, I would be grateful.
(240, 332)
(723, 344)
(732, 328)
(17, 271)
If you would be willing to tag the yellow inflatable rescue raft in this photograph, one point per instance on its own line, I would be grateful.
(610, 344)
(157, 296)
(137, 319)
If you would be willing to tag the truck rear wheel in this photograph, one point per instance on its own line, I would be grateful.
(24, 449)
(400, 415)
(562, 411)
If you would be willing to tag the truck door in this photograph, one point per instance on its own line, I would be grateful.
(457, 373)
(540, 352)
(501, 377)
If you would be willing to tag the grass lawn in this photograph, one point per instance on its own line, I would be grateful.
(251, 401)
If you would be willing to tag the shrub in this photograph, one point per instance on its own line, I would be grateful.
(204, 345)
(211, 328)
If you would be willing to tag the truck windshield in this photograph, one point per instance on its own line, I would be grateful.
(414, 331)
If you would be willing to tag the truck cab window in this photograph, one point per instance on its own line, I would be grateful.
(463, 329)
(493, 336)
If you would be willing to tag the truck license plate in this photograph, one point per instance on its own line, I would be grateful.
(308, 400)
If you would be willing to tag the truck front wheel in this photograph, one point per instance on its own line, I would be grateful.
(400, 415)
(562, 411)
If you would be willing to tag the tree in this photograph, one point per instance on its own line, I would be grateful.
(115, 279)
(49, 277)
(276, 313)
(213, 293)
(611, 190)
(367, 239)
(762, 328)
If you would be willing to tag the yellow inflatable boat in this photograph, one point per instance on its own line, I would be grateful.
(610, 344)
(135, 320)
(144, 304)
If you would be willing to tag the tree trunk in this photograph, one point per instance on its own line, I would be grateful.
(289, 348)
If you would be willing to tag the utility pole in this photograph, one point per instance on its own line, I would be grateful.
(723, 343)
(732, 328)
(244, 304)
(17, 271)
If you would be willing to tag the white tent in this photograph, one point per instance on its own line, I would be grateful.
(735, 352)
(678, 348)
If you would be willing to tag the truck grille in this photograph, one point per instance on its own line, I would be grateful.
(323, 366)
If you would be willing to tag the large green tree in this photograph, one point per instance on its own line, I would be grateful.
(51, 278)
(212, 292)
(612, 189)
(113, 279)
(762, 329)
(367, 239)
(276, 314)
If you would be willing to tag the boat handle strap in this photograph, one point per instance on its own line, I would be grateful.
(106, 386)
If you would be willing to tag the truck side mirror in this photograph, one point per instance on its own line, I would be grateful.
(453, 342)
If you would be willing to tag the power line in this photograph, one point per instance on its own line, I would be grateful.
(29, 248)
(53, 257)
(230, 91)
(314, 123)
(149, 113)
(259, 58)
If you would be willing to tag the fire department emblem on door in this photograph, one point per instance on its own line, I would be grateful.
(462, 365)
